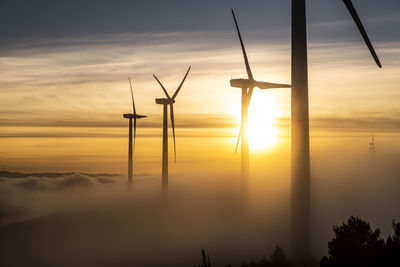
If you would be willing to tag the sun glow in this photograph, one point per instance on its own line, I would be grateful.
(263, 111)
(261, 129)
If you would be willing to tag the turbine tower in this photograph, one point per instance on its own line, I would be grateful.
(135, 117)
(300, 221)
(247, 86)
(165, 102)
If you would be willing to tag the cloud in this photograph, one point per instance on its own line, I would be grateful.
(198, 213)
(81, 82)
(7, 174)
(379, 124)
(43, 184)
(219, 124)
(47, 182)
(205, 208)
(29, 195)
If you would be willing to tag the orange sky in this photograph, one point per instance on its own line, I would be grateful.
(87, 85)
(82, 90)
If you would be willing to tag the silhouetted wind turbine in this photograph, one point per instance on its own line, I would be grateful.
(300, 126)
(165, 102)
(133, 116)
(247, 86)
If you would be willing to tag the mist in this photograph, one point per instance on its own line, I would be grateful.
(84, 219)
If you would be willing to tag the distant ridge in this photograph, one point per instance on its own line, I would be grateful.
(7, 174)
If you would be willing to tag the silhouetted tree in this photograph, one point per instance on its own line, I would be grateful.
(278, 259)
(355, 244)
(205, 259)
(392, 248)
(206, 262)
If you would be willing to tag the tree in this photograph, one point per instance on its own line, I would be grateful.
(206, 262)
(392, 248)
(355, 244)
(278, 259)
(205, 259)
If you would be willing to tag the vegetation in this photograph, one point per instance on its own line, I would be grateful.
(355, 245)
(277, 259)
(205, 260)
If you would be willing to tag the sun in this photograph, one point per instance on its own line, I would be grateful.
(262, 131)
(261, 136)
(263, 112)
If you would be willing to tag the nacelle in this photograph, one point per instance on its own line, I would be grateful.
(164, 101)
(242, 83)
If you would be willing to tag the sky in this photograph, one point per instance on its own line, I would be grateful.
(64, 68)
(67, 63)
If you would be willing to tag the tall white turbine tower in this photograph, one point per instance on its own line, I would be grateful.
(300, 221)
(135, 117)
(169, 101)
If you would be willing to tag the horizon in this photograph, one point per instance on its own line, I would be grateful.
(64, 89)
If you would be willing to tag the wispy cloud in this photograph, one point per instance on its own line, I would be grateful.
(82, 82)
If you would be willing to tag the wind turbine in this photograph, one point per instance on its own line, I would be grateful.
(135, 117)
(247, 86)
(300, 220)
(165, 102)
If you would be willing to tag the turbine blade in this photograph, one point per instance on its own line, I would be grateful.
(179, 88)
(162, 86)
(362, 30)
(246, 61)
(237, 143)
(133, 101)
(173, 127)
(134, 135)
(265, 85)
(249, 94)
